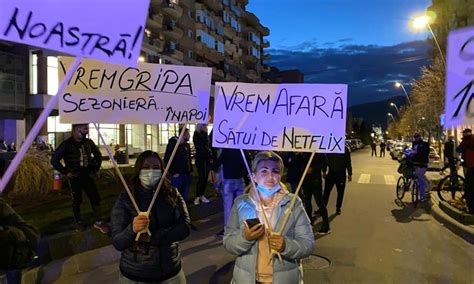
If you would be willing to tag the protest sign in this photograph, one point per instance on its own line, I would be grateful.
(150, 93)
(460, 78)
(280, 117)
(109, 30)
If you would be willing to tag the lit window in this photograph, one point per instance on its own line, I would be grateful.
(34, 74)
(53, 80)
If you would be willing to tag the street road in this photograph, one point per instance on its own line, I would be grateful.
(375, 240)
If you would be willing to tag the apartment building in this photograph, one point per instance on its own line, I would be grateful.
(211, 33)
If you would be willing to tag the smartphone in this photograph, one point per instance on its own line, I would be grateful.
(252, 222)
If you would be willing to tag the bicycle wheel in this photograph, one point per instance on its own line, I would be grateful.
(400, 191)
(451, 189)
(414, 193)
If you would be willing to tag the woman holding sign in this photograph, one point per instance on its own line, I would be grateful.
(152, 258)
(249, 233)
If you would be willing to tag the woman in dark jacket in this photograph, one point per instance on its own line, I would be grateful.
(152, 258)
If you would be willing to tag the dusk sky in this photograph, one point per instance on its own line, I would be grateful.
(367, 44)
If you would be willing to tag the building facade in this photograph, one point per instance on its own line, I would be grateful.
(219, 34)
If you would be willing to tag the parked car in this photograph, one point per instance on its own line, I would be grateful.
(397, 150)
(434, 160)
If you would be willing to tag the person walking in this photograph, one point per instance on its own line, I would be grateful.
(466, 136)
(202, 162)
(373, 145)
(155, 258)
(181, 166)
(313, 186)
(448, 153)
(382, 148)
(294, 164)
(338, 165)
(82, 160)
(247, 234)
(233, 173)
(466, 148)
(420, 159)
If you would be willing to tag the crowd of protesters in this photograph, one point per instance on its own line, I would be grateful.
(253, 205)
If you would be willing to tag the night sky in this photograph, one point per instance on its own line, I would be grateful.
(367, 44)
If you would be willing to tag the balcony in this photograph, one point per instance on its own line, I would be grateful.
(265, 44)
(152, 45)
(249, 59)
(154, 23)
(252, 75)
(173, 32)
(174, 53)
(217, 74)
(171, 9)
(201, 64)
(215, 5)
(229, 78)
(230, 47)
(265, 68)
(265, 56)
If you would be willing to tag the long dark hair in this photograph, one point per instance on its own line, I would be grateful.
(167, 192)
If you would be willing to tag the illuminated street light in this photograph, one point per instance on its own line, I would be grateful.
(400, 85)
(395, 106)
(422, 22)
(391, 115)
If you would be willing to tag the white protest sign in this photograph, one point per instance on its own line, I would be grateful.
(109, 30)
(460, 78)
(280, 117)
(150, 93)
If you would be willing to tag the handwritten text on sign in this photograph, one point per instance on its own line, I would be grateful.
(284, 117)
(460, 78)
(109, 30)
(150, 93)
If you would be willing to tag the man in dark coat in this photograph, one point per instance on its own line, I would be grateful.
(82, 160)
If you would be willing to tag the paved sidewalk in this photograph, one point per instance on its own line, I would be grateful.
(455, 225)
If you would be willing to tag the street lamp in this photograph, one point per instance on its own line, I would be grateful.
(391, 115)
(395, 106)
(400, 85)
(422, 22)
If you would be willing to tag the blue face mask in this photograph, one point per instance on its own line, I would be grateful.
(149, 177)
(268, 191)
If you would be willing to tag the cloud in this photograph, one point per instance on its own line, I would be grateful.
(369, 70)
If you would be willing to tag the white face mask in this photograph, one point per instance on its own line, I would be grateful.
(149, 177)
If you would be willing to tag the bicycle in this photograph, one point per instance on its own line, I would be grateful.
(407, 182)
(451, 187)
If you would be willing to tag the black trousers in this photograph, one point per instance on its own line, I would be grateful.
(382, 152)
(84, 182)
(314, 187)
(339, 180)
(202, 166)
(469, 189)
(374, 152)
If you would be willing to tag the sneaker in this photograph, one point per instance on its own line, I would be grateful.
(220, 234)
(197, 201)
(338, 211)
(80, 227)
(204, 200)
(102, 227)
(324, 231)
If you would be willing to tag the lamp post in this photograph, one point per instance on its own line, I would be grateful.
(396, 108)
(391, 115)
(424, 21)
(400, 85)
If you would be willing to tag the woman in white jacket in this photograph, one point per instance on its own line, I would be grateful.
(253, 244)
